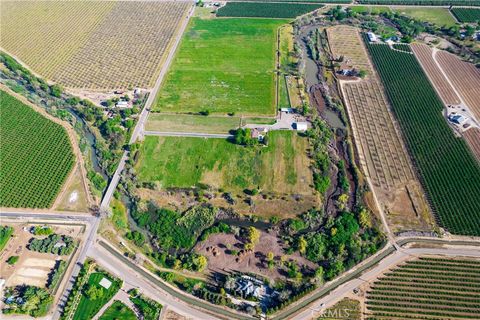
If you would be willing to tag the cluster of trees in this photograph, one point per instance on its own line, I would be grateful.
(79, 281)
(320, 135)
(173, 230)
(54, 243)
(148, 308)
(138, 238)
(252, 236)
(12, 260)
(243, 137)
(29, 300)
(42, 230)
(56, 274)
(5, 234)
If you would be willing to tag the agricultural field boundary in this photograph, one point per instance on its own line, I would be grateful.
(73, 141)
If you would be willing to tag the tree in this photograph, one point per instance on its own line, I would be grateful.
(201, 263)
(302, 245)
(364, 218)
(93, 292)
(56, 90)
(12, 260)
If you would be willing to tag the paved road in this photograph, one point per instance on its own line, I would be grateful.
(138, 130)
(315, 309)
(188, 134)
(132, 279)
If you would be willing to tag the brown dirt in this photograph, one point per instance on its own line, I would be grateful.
(172, 315)
(32, 267)
(464, 76)
(444, 89)
(248, 261)
(283, 206)
(472, 137)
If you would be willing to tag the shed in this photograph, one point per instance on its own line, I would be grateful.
(301, 126)
(372, 37)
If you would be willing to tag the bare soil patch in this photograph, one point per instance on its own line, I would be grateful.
(217, 248)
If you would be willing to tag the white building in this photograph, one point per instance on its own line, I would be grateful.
(301, 126)
(372, 37)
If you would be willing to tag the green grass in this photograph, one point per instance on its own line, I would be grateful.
(5, 235)
(347, 309)
(35, 156)
(223, 65)
(187, 162)
(119, 214)
(369, 9)
(438, 16)
(191, 123)
(88, 308)
(266, 10)
(118, 311)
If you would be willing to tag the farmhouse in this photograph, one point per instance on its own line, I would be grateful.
(457, 119)
(372, 37)
(259, 133)
(249, 287)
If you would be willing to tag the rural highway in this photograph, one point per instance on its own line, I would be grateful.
(138, 130)
(187, 134)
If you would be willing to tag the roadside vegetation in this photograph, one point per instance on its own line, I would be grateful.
(148, 308)
(265, 9)
(37, 158)
(6, 233)
(424, 2)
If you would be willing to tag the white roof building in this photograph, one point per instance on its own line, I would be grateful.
(301, 126)
(372, 37)
(105, 283)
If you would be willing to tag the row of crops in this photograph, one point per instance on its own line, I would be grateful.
(424, 2)
(266, 10)
(446, 167)
(427, 287)
(466, 14)
(35, 156)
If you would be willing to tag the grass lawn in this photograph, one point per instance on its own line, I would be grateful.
(118, 311)
(438, 16)
(88, 308)
(119, 214)
(223, 66)
(283, 166)
(191, 123)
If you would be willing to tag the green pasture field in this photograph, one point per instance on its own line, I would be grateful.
(223, 66)
(35, 155)
(191, 123)
(438, 16)
(88, 308)
(118, 311)
(283, 166)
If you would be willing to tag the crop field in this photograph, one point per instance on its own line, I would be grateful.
(424, 2)
(438, 16)
(119, 44)
(381, 152)
(448, 170)
(283, 166)
(464, 76)
(191, 123)
(466, 14)
(266, 10)
(472, 136)
(427, 288)
(345, 41)
(424, 55)
(386, 159)
(87, 308)
(223, 66)
(35, 155)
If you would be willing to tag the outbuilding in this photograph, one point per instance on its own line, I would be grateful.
(301, 126)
